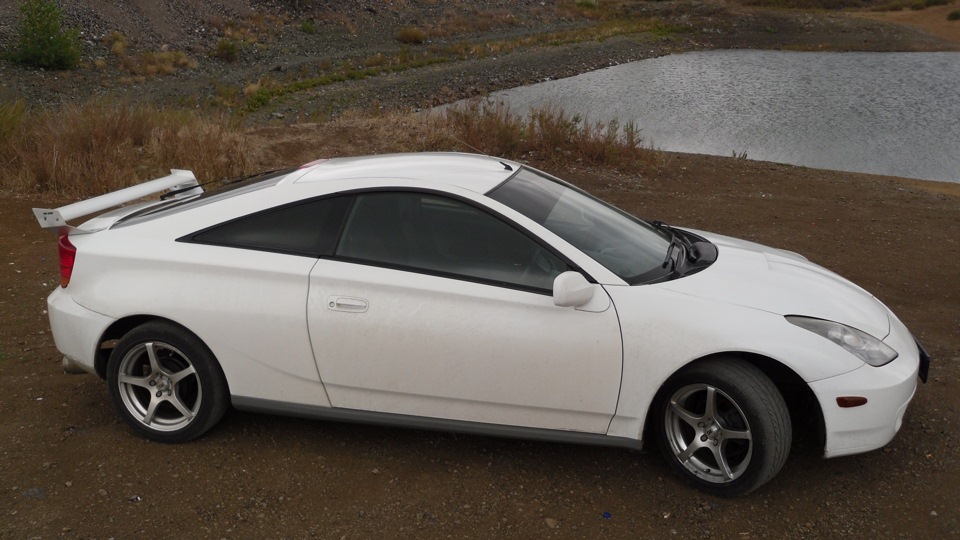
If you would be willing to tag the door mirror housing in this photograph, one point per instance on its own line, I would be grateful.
(571, 289)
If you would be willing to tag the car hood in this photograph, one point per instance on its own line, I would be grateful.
(756, 276)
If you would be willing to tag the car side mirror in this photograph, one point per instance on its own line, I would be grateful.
(571, 289)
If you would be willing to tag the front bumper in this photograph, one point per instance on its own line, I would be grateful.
(888, 390)
(76, 329)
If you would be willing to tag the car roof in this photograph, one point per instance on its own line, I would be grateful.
(473, 172)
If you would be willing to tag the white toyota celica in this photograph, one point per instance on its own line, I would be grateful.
(469, 293)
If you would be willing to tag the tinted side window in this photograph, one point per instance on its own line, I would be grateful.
(309, 228)
(447, 237)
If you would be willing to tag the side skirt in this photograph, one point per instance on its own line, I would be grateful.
(434, 424)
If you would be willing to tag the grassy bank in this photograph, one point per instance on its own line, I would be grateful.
(84, 150)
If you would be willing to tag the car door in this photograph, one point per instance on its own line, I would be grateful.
(436, 308)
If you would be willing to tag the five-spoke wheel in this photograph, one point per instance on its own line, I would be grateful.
(724, 425)
(165, 383)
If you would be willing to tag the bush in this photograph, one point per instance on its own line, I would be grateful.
(954, 15)
(42, 41)
(227, 50)
(411, 35)
(308, 27)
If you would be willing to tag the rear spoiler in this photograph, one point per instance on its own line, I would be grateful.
(178, 181)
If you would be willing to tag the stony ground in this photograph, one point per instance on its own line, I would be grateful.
(71, 469)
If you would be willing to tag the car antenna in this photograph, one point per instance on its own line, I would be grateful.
(506, 166)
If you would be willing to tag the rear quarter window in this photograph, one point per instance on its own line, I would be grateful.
(310, 228)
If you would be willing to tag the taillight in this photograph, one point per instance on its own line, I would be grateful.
(68, 254)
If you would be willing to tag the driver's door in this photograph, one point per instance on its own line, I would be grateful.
(433, 307)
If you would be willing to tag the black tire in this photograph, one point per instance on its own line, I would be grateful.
(733, 447)
(166, 384)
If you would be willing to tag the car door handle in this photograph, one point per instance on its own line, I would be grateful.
(347, 303)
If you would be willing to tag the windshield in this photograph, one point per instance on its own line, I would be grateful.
(627, 246)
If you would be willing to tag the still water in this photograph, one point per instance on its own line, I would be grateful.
(884, 113)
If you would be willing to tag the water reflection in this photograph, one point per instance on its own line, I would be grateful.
(883, 113)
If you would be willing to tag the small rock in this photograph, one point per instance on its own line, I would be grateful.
(102, 492)
(34, 493)
(550, 522)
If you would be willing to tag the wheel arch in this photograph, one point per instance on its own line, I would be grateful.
(121, 327)
(805, 411)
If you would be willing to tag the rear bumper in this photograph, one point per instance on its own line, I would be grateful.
(76, 330)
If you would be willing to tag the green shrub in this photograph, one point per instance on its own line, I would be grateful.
(227, 50)
(42, 40)
(308, 27)
(954, 15)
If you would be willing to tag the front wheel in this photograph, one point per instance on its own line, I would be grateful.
(724, 426)
(165, 383)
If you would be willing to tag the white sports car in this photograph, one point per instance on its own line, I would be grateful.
(469, 293)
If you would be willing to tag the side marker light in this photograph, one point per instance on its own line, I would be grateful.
(851, 401)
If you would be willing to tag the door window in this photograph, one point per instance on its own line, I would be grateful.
(447, 237)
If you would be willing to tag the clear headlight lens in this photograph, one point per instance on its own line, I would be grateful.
(862, 345)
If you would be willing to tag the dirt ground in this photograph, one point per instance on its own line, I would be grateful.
(70, 468)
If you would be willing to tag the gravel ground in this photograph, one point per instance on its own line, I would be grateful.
(274, 48)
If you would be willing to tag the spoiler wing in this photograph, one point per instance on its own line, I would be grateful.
(178, 180)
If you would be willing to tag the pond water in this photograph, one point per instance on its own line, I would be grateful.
(884, 113)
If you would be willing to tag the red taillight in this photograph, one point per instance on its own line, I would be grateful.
(68, 254)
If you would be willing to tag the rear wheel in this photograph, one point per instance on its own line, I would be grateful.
(724, 426)
(165, 383)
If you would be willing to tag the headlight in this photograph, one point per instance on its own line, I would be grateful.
(864, 346)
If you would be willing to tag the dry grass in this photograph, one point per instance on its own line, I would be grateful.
(547, 133)
(410, 35)
(84, 150)
(456, 23)
(146, 64)
(150, 64)
(250, 29)
(344, 21)
(11, 116)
